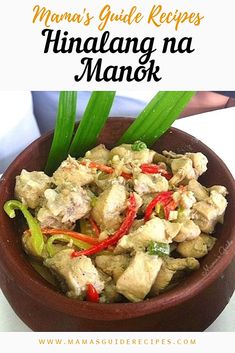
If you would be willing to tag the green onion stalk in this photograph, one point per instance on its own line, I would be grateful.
(36, 240)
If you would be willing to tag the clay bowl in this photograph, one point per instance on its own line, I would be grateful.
(191, 306)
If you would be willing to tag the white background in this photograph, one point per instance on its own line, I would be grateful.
(210, 66)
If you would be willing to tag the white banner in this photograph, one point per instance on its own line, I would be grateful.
(118, 342)
(137, 45)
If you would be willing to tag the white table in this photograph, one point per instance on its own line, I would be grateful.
(211, 129)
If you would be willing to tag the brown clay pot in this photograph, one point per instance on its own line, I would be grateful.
(191, 306)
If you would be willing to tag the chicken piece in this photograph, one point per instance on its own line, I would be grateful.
(190, 166)
(145, 184)
(188, 231)
(207, 213)
(218, 201)
(125, 152)
(48, 220)
(199, 191)
(160, 158)
(30, 187)
(182, 169)
(74, 274)
(71, 171)
(169, 269)
(113, 265)
(172, 229)
(155, 229)
(199, 162)
(205, 216)
(137, 280)
(109, 206)
(197, 247)
(99, 154)
(219, 189)
(105, 181)
(187, 199)
(181, 264)
(64, 205)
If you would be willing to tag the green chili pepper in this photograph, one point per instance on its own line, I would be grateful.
(51, 249)
(157, 248)
(138, 146)
(36, 237)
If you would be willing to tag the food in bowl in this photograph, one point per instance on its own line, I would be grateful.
(44, 308)
(119, 225)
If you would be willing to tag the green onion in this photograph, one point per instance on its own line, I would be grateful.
(52, 250)
(157, 117)
(138, 146)
(35, 239)
(157, 248)
(64, 128)
(92, 122)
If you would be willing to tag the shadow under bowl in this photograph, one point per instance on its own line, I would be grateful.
(191, 306)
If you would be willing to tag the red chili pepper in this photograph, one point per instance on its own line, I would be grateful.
(155, 169)
(104, 168)
(72, 234)
(163, 198)
(94, 227)
(113, 239)
(92, 294)
(126, 176)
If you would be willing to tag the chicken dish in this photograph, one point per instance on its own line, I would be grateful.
(120, 225)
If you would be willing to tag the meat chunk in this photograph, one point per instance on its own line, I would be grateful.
(219, 189)
(105, 181)
(187, 167)
(183, 171)
(109, 206)
(187, 199)
(170, 268)
(199, 162)
(137, 280)
(99, 154)
(197, 247)
(145, 184)
(74, 274)
(113, 265)
(63, 206)
(188, 231)
(30, 187)
(210, 211)
(71, 171)
(155, 229)
(199, 191)
(125, 152)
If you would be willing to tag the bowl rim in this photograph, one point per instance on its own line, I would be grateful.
(113, 311)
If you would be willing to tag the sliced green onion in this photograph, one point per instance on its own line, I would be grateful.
(157, 117)
(35, 239)
(51, 248)
(157, 248)
(92, 122)
(138, 146)
(64, 128)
